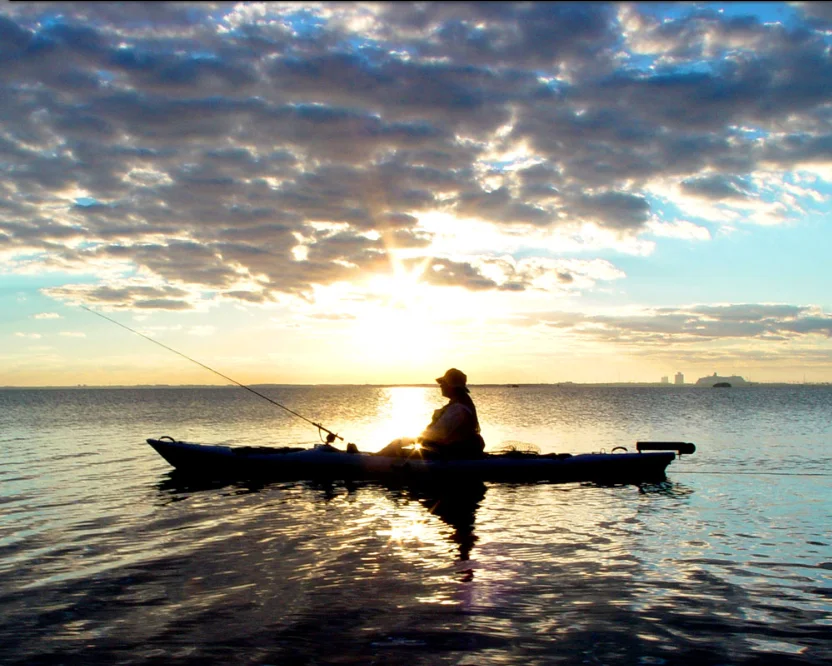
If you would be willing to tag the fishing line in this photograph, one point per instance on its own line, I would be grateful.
(331, 436)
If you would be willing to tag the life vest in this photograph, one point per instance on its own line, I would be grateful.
(469, 444)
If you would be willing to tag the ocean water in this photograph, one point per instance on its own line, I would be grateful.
(106, 557)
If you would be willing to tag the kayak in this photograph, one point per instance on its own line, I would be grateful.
(647, 464)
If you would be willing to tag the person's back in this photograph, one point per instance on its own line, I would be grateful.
(454, 431)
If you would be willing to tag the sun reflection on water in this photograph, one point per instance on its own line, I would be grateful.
(409, 525)
(404, 412)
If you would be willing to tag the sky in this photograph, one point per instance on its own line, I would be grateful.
(373, 193)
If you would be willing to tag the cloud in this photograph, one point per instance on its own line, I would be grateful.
(679, 229)
(717, 187)
(618, 210)
(124, 297)
(695, 324)
(549, 275)
(749, 312)
(47, 315)
(818, 13)
(216, 151)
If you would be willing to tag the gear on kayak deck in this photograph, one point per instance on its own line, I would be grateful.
(512, 449)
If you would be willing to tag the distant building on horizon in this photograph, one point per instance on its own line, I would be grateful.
(679, 379)
(733, 380)
(665, 380)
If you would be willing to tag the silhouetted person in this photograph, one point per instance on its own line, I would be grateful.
(454, 430)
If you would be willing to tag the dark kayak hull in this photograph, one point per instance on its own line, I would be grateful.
(326, 463)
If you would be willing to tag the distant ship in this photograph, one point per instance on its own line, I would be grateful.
(721, 382)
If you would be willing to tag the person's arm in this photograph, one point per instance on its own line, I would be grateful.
(443, 429)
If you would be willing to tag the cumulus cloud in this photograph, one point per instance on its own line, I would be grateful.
(818, 13)
(717, 187)
(218, 151)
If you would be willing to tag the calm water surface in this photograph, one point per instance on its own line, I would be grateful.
(107, 557)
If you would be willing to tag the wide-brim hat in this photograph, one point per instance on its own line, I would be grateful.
(453, 378)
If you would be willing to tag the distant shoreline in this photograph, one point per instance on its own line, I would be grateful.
(426, 385)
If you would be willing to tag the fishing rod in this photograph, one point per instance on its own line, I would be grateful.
(330, 436)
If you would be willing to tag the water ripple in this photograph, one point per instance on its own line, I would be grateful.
(107, 557)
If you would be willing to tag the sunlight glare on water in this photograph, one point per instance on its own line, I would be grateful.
(404, 412)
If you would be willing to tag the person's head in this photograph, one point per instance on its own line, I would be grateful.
(452, 382)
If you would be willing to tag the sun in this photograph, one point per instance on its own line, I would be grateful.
(403, 287)
(400, 322)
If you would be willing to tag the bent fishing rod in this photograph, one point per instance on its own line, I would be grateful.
(330, 436)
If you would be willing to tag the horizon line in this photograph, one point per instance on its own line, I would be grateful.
(408, 384)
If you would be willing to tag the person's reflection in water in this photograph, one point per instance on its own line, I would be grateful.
(456, 506)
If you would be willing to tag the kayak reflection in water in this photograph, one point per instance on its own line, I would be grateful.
(454, 430)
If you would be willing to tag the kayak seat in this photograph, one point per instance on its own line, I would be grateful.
(468, 449)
